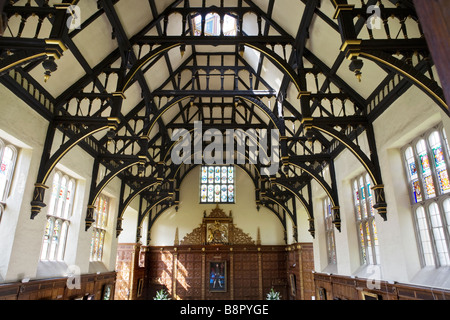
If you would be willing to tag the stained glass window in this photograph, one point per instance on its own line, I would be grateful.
(217, 184)
(439, 161)
(413, 175)
(365, 220)
(100, 224)
(329, 230)
(58, 217)
(8, 155)
(426, 161)
(426, 169)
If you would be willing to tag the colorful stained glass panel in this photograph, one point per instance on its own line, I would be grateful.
(444, 181)
(217, 184)
(429, 185)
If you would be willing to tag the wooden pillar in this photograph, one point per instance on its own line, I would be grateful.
(300, 272)
(132, 267)
(260, 275)
(175, 274)
(231, 274)
(433, 16)
(203, 273)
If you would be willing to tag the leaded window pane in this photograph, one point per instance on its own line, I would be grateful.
(58, 215)
(217, 184)
(365, 220)
(429, 154)
(101, 213)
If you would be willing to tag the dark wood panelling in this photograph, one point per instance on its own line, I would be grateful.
(335, 287)
(131, 283)
(300, 264)
(57, 289)
(251, 271)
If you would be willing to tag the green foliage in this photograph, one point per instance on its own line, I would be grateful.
(161, 295)
(273, 295)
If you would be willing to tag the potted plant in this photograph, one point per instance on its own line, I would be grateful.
(273, 295)
(161, 295)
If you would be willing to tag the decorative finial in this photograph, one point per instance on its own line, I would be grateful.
(176, 241)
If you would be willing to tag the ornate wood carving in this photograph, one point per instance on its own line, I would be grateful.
(193, 238)
(217, 229)
(239, 237)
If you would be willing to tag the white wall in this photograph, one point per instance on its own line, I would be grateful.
(190, 213)
(21, 237)
(19, 124)
(408, 117)
(129, 225)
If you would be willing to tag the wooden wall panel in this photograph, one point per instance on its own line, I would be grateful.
(189, 275)
(274, 271)
(251, 271)
(246, 276)
(125, 267)
(300, 264)
(335, 287)
(307, 265)
(91, 285)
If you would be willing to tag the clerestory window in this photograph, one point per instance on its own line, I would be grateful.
(58, 217)
(217, 184)
(214, 25)
(426, 161)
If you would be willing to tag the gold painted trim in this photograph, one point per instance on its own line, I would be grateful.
(57, 42)
(303, 93)
(243, 98)
(119, 94)
(287, 71)
(318, 181)
(112, 177)
(431, 92)
(128, 203)
(147, 60)
(22, 61)
(351, 149)
(148, 210)
(68, 149)
(295, 194)
(143, 159)
(342, 7)
(349, 43)
(41, 185)
(160, 115)
(114, 119)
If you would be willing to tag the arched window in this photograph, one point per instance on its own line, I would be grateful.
(101, 213)
(8, 155)
(214, 25)
(217, 184)
(329, 231)
(426, 162)
(365, 220)
(58, 217)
